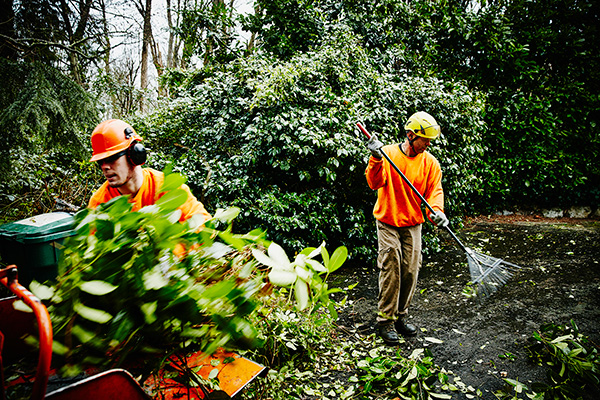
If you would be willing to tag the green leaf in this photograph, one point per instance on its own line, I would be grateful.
(172, 181)
(412, 374)
(195, 333)
(440, 395)
(227, 215)
(303, 273)
(59, 348)
(83, 335)
(283, 278)
(213, 373)
(317, 266)
(92, 314)
(562, 339)
(338, 258)
(154, 279)
(196, 221)
(173, 199)
(232, 240)
(219, 290)
(20, 305)
(277, 254)
(97, 288)
(325, 256)
(148, 309)
(263, 258)
(40, 291)
(575, 352)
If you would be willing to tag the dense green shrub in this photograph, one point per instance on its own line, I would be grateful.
(278, 139)
(46, 182)
(45, 120)
(539, 69)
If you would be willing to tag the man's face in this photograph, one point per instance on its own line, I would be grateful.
(420, 144)
(116, 169)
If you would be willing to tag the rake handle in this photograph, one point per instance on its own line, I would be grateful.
(409, 183)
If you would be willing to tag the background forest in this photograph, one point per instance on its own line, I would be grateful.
(258, 110)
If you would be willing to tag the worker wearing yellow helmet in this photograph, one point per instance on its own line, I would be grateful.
(399, 218)
(120, 154)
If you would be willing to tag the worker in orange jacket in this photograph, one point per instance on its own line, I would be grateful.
(399, 218)
(118, 150)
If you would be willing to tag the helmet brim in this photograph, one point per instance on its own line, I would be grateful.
(106, 154)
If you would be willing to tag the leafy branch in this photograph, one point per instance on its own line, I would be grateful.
(133, 284)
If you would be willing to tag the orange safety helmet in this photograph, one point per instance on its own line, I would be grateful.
(113, 136)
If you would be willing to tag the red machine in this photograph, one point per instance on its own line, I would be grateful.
(233, 375)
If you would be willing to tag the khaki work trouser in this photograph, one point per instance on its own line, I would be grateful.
(399, 260)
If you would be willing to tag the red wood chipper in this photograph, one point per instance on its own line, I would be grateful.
(34, 245)
(232, 371)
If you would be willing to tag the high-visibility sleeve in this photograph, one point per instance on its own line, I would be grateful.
(149, 194)
(397, 204)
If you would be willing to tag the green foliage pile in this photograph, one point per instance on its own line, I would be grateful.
(278, 139)
(572, 361)
(141, 283)
(312, 358)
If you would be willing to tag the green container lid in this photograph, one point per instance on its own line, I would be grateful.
(40, 228)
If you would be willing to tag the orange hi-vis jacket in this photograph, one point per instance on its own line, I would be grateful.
(397, 204)
(149, 194)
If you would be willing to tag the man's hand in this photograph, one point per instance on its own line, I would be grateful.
(374, 145)
(439, 218)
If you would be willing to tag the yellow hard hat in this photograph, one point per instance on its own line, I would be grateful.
(424, 125)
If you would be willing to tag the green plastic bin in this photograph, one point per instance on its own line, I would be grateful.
(35, 245)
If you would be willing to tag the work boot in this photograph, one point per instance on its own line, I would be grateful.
(388, 334)
(404, 328)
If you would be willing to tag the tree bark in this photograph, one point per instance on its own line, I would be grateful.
(146, 12)
(75, 37)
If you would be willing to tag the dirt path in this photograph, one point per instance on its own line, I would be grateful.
(483, 341)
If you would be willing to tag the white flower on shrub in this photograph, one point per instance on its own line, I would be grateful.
(297, 275)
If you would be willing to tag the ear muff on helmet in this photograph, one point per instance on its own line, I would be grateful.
(136, 153)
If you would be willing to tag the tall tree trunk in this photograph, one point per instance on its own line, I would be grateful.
(169, 61)
(252, 41)
(105, 40)
(146, 13)
(75, 37)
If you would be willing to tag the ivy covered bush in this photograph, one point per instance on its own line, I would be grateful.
(278, 140)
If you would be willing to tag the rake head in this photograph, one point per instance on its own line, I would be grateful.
(489, 273)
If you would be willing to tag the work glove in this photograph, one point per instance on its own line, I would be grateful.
(439, 218)
(374, 145)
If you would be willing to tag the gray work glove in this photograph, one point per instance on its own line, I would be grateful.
(374, 145)
(439, 218)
